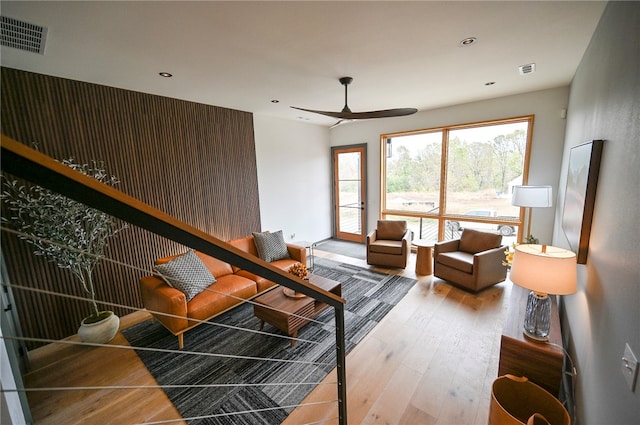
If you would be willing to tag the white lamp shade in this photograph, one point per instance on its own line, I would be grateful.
(551, 272)
(532, 196)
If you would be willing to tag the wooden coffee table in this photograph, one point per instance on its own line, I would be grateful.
(290, 314)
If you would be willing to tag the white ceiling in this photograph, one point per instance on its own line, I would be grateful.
(242, 54)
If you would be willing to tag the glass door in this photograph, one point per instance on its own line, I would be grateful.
(349, 165)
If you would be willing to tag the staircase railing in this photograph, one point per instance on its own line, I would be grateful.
(31, 165)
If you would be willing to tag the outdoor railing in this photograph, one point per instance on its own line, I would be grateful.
(35, 167)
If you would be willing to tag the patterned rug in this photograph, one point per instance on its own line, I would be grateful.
(370, 296)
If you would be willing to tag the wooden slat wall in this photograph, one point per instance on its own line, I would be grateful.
(193, 161)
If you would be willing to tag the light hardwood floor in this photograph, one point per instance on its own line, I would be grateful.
(58, 365)
(431, 360)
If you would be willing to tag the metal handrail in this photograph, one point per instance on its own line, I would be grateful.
(29, 164)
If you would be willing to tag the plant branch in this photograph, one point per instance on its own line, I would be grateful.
(66, 232)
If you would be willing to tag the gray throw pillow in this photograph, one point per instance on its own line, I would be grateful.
(271, 246)
(187, 273)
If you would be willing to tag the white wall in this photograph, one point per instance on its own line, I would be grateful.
(604, 314)
(294, 178)
(546, 155)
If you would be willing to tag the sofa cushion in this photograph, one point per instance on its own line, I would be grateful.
(218, 268)
(458, 260)
(245, 244)
(284, 263)
(229, 290)
(391, 229)
(262, 283)
(187, 273)
(271, 246)
(474, 241)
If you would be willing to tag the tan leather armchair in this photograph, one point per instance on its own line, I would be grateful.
(389, 244)
(473, 262)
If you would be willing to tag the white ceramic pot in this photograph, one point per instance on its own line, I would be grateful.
(100, 332)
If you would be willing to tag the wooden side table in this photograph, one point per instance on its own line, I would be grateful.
(541, 362)
(424, 256)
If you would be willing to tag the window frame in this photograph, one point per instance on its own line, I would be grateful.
(441, 215)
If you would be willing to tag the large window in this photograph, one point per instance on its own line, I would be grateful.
(446, 179)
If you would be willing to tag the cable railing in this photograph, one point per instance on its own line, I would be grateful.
(28, 164)
(182, 353)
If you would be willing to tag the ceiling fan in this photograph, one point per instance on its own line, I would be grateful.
(346, 113)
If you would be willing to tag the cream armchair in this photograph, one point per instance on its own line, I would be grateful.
(390, 244)
(473, 262)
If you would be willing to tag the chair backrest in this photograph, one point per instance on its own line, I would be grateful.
(474, 241)
(391, 229)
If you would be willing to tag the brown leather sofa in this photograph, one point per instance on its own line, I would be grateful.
(159, 296)
(473, 262)
(389, 244)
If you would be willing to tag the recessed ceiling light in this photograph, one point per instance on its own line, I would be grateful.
(275, 101)
(489, 83)
(165, 74)
(468, 41)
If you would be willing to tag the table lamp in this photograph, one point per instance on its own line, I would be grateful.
(544, 270)
(532, 196)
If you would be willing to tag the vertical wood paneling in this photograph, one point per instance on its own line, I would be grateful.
(193, 161)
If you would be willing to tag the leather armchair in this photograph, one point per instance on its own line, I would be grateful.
(473, 262)
(389, 244)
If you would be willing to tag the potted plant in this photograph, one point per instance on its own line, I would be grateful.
(69, 234)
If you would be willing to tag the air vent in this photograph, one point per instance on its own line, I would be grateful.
(23, 35)
(527, 69)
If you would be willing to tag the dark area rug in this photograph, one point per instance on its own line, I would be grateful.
(370, 296)
(349, 249)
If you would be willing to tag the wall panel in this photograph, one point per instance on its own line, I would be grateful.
(195, 162)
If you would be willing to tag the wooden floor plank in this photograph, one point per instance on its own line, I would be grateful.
(394, 399)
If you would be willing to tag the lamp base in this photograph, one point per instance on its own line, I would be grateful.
(537, 318)
(535, 337)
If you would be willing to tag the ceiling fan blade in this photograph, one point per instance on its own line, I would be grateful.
(327, 113)
(346, 113)
(385, 113)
